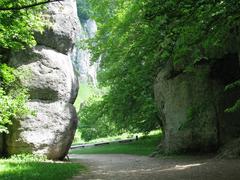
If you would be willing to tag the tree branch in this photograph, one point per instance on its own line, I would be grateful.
(27, 6)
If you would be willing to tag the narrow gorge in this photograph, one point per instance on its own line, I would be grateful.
(154, 79)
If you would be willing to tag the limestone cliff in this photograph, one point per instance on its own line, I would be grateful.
(87, 71)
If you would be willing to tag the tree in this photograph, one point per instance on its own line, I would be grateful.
(135, 38)
(19, 20)
(84, 10)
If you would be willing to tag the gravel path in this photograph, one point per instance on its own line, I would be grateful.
(130, 167)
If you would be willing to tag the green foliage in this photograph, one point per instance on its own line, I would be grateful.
(236, 106)
(17, 30)
(92, 127)
(28, 158)
(89, 126)
(17, 27)
(233, 85)
(13, 97)
(85, 92)
(7, 75)
(83, 10)
(135, 38)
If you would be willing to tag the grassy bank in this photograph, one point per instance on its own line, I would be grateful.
(144, 146)
(29, 167)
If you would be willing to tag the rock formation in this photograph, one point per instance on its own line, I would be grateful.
(191, 106)
(86, 70)
(53, 87)
(187, 106)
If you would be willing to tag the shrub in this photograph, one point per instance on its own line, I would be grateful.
(13, 97)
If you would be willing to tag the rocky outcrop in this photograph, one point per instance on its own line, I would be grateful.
(50, 132)
(187, 105)
(53, 87)
(191, 105)
(50, 74)
(63, 30)
(86, 70)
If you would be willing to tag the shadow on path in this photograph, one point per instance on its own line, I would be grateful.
(130, 167)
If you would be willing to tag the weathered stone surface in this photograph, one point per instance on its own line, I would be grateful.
(62, 33)
(187, 105)
(49, 133)
(87, 70)
(53, 88)
(50, 74)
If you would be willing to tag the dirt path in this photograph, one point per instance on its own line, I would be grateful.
(129, 167)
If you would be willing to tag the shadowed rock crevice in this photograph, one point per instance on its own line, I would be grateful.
(43, 94)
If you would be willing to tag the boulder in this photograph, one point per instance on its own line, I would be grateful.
(50, 74)
(63, 29)
(49, 132)
(188, 105)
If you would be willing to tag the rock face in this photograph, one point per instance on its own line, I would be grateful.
(49, 133)
(63, 32)
(51, 75)
(53, 88)
(86, 70)
(187, 105)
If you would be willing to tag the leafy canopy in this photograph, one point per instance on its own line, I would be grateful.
(17, 27)
(136, 37)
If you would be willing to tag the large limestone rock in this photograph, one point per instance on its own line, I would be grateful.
(50, 77)
(187, 105)
(63, 30)
(50, 132)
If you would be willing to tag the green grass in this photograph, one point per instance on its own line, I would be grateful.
(85, 92)
(37, 169)
(79, 140)
(144, 146)
(123, 136)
